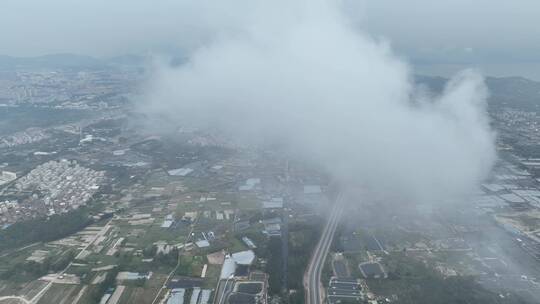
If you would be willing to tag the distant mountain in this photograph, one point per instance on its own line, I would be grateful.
(69, 61)
(128, 59)
(54, 61)
(514, 92)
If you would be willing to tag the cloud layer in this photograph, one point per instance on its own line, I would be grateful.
(299, 73)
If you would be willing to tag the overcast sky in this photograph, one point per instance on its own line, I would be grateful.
(500, 33)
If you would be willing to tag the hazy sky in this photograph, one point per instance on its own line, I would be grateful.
(489, 32)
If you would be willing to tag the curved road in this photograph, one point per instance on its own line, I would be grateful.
(10, 298)
(312, 277)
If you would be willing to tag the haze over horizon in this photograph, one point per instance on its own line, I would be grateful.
(499, 38)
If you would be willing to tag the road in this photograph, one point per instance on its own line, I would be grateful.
(312, 277)
(224, 288)
(285, 248)
(11, 298)
(188, 240)
(40, 294)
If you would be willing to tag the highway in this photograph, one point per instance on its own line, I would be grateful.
(312, 276)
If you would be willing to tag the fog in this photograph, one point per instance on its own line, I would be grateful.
(457, 31)
(499, 37)
(297, 72)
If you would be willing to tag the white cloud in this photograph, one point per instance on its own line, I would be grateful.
(297, 72)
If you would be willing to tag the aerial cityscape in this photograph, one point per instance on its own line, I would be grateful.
(286, 154)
